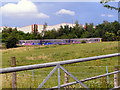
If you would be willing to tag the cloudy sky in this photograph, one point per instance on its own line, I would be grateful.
(26, 12)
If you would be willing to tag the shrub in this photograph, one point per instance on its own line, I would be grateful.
(11, 42)
(83, 41)
(3, 46)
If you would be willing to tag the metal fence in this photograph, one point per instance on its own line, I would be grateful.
(58, 66)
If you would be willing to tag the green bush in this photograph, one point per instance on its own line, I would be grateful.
(11, 42)
(3, 46)
(83, 41)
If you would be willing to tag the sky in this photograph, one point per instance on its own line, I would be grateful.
(25, 12)
(119, 13)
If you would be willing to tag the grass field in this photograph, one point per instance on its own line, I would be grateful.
(28, 55)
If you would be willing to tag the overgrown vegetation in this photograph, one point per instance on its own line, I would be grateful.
(28, 55)
(11, 42)
(83, 41)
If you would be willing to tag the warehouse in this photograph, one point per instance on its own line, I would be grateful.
(39, 28)
(36, 27)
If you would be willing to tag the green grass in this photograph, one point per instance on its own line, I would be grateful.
(28, 55)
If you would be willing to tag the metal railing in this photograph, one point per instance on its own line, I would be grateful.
(58, 66)
(87, 79)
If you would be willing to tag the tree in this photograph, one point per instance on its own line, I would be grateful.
(118, 35)
(116, 26)
(77, 30)
(109, 36)
(38, 36)
(44, 29)
(86, 26)
(104, 2)
(11, 42)
(76, 23)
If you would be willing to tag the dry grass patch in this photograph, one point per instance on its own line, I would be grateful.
(42, 57)
(25, 48)
(36, 58)
(30, 58)
(11, 49)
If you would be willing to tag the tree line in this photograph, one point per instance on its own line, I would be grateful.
(108, 31)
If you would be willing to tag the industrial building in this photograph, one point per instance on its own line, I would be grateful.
(31, 28)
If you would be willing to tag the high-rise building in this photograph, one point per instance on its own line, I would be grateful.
(34, 29)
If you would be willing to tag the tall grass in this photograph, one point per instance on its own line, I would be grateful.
(43, 54)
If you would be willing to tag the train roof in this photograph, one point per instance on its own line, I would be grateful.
(61, 39)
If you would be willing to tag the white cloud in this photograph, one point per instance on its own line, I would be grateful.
(102, 15)
(23, 8)
(64, 11)
(42, 15)
(109, 15)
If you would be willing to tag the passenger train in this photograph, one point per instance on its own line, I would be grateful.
(58, 41)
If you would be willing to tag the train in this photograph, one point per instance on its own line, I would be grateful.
(58, 41)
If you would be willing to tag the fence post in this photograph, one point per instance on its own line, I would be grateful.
(66, 80)
(116, 77)
(13, 64)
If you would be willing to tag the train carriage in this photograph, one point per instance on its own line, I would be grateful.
(58, 41)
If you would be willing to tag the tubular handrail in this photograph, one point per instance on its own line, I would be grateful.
(36, 66)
